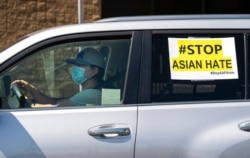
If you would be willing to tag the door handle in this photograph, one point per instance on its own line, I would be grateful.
(109, 131)
(245, 126)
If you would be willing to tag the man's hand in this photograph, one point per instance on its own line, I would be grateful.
(24, 85)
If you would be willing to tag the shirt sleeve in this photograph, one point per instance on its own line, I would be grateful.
(87, 97)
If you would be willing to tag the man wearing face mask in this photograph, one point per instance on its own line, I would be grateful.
(87, 71)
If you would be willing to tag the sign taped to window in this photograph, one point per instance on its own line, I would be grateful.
(111, 96)
(202, 58)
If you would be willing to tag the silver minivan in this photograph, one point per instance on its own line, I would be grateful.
(173, 86)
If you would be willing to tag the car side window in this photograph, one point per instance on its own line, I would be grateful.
(192, 67)
(49, 72)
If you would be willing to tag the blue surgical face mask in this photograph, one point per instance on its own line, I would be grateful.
(78, 74)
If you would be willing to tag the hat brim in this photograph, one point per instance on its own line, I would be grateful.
(77, 62)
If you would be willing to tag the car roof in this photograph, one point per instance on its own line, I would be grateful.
(176, 17)
(133, 23)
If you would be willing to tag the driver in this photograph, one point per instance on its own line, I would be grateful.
(87, 71)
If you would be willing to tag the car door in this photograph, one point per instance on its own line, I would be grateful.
(189, 109)
(106, 130)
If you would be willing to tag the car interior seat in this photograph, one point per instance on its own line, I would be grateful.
(116, 54)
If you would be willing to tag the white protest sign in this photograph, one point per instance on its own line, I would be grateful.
(202, 58)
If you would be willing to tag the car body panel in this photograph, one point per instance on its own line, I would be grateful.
(64, 132)
(208, 130)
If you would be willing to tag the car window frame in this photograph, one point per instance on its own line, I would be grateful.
(132, 78)
(146, 60)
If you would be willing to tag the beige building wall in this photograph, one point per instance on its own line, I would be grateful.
(21, 17)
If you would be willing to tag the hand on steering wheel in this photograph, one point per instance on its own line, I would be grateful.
(18, 93)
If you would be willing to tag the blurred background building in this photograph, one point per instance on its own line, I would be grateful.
(21, 17)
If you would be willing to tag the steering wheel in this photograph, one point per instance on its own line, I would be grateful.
(19, 95)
